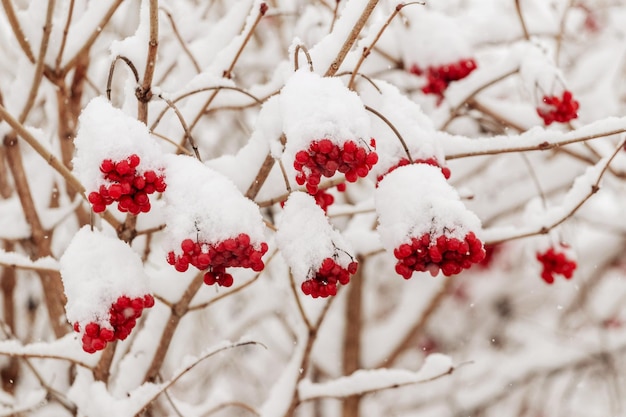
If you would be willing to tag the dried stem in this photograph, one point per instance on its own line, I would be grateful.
(296, 297)
(130, 65)
(541, 147)
(352, 37)
(454, 113)
(546, 229)
(39, 67)
(66, 29)
(522, 22)
(202, 90)
(183, 123)
(179, 309)
(93, 36)
(228, 73)
(18, 33)
(144, 92)
(180, 40)
(419, 326)
(395, 131)
(367, 50)
(102, 370)
(304, 49)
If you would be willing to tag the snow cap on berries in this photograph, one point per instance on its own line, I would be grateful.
(415, 127)
(431, 39)
(416, 199)
(108, 133)
(96, 270)
(317, 108)
(204, 205)
(306, 239)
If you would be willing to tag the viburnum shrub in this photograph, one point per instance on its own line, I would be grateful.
(106, 288)
(210, 224)
(556, 260)
(424, 224)
(203, 116)
(558, 109)
(318, 255)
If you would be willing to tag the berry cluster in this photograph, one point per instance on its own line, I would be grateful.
(555, 262)
(430, 161)
(438, 78)
(123, 316)
(324, 282)
(556, 109)
(129, 188)
(325, 158)
(232, 252)
(429, 253)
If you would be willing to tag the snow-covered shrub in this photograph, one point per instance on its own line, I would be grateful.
(300, 158)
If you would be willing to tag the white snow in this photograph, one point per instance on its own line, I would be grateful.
(364, 381)
(108, 133)
(315, 108)
(97, 269)
(305, 238)
(416, 199)
(203, 204)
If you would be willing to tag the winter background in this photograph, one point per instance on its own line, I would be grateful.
(218, 99)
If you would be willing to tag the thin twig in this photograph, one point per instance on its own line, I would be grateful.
(395, 131)
(296, 297)
(180, 40)
(39, 66)
(304, 49)
(14, 22)
(27, 267)
(367, 50)
(144, 92)
(66, 29)
(183, 123)
(93, 36)
(130, 65)
(352, 37)
(522, 22)
(546, 229)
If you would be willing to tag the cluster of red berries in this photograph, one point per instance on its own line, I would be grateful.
(324, 282)
(429, 253)
(325, 158)
(232, 252)
(556, 109)
(129, 188)
(430, 161)
(555, 262)
(123, 316)
(438, 78)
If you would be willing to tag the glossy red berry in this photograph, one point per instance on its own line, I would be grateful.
(558, 109)
(555, 262)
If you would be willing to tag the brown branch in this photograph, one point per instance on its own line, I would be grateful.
(456, 110)
(93, 36)
(351, 361)
(367, 50)
(352, 37)
(262, 10)
(21, 38)
(296, 64)
(395, 131)
(419, 326)
(180, 40)
(129, 64)
(546, 229)
(66, 29)
(541, 147)
(102, 370)
(183, 123)
(39, 67)
(144, 92)
(522, 22)
(178, 310)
